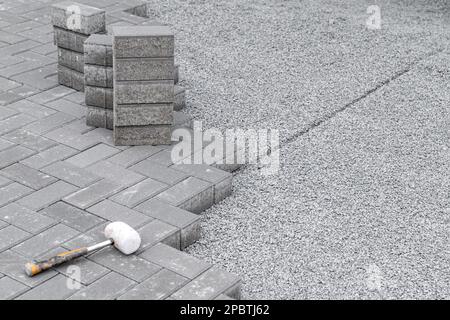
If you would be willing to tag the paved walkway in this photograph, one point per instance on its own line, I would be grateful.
(62, 181)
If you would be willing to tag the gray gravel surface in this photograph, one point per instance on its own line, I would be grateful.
(360, 208)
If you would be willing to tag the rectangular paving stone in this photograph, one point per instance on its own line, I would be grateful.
(11, 264)
(98, 76)
(89, 270)
(10, 236)
(158, 172)
(138, 193)
(112, 211)
(188, 223)
(131, 266)
(133, 155)
(46, 196)
(139, 92)
(143, 42)
(25, 219)
(13, 191)
(15, 122)
(28, 176)
(92, 155)
(107, 288)
(51, 94)
(69, 40)
(70, 78)
(89, 19)
(89, 196)
(175, 260)
(4, 181)
(71, 59)
(96, 117)
(99, 97)
(29, 140)
(54, 289)
(72, 174)
(98, 50)
(115, 173)
(157, 287)
(87, 238)
(14, 154)
(49, 156)
(7, 112)
(49, 123)
(31, 108)
(10, 288)
(72, 216)
(191, 194)
(142, 135)
(71, 137)
(143, 114)
(44, 241)
(158, 231)
(209, 285)
(133, 69)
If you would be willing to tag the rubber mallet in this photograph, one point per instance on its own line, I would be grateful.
(119, 234)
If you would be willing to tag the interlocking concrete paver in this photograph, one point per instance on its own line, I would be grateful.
(72, 174)
(159, 231)
(115, 172)
(10, 236)
(11, 288)
(92, 194)
(49, 156)
(14, 154)
(27, 176)
(29, 139)
(107, 288)
(158, 172)
(138, 193)
(133, 155)
(25, 219)
(49, 123)
(92, 155)
(13, 192)
(56, 288)
(89, 270)
(72, 216)
(112, 211)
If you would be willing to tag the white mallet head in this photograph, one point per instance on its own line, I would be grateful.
(125, 238)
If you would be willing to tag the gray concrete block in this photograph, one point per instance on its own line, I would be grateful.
(14, 154)
(29, 139)
(176, 74)
(78, 17)
(131, 266)
(107, 288)
(54, 289)
(175, 260)
(142, 135)
(157, 287)
(157, 231)
(28, 176)
(25, 219)
(72, 216)
(135, 69)
(221, 180)
(188, 223)
(70, 173)
(109, 119)
(71, 59)
(96, 117)
(112, 211)
(13, 192)
(45, 241)
(70, 78)
(210, 285)
(160, 91)
(133, 155)
(99, 97)
(138, 193)
(116, 173)
(143, 41)
(143, 114)
(89, 196)
(179, 98)
(46, 196)
(49, 156)
(98, 76)
(69, 40)
(11, 288)
(89, 270)
(10, 236)
(191, 194)
(87, 238)
(98, 50)
(92, 155)
(158, 172)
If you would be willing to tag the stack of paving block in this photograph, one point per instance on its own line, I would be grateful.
(98, 75)
(143, 59)
(73, 23)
